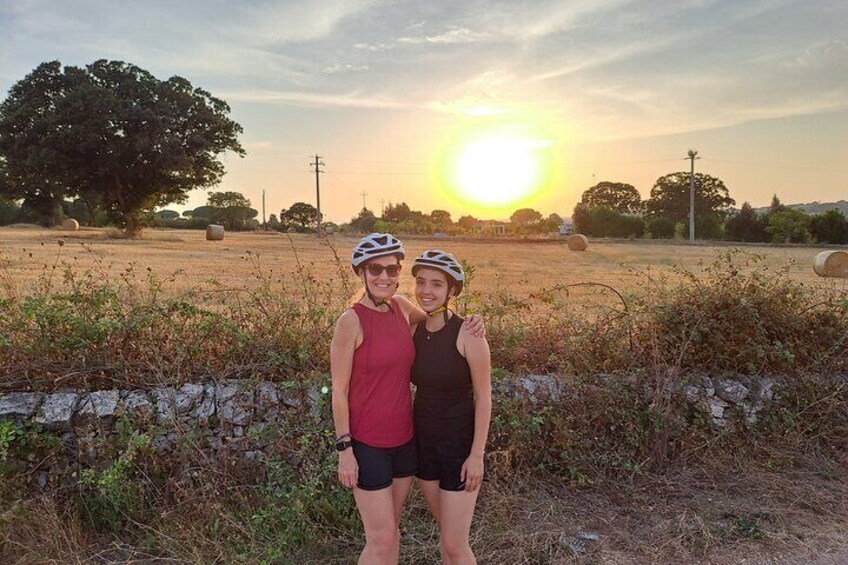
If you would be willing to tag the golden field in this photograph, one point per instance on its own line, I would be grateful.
(522, 267)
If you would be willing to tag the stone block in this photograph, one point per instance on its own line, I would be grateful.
(235, 403)
(165, 399)
(206, 407)
(98, 407)
(732, 391)
(138, 407)
(19, 406)
(57, 411)
(187, 397)
(266, 396)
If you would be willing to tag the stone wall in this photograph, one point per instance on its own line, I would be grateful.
(239, 419)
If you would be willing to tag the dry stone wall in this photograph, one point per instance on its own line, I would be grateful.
(238, 420)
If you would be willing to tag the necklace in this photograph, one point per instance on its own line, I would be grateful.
(428, 334)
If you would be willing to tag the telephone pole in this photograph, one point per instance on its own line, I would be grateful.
(364, 194)
(692, 156)
(264, 225)
(316, 165)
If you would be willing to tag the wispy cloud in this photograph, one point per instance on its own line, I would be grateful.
(450, 36)
(317, 99)
(343, 68)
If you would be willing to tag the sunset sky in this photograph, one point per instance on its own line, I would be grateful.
(387, 91)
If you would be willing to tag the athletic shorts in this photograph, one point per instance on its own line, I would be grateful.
(378, 466)
(442, 461)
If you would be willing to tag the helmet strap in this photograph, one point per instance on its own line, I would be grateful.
(438, 310)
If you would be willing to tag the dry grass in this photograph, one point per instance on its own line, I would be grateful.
(522, 267)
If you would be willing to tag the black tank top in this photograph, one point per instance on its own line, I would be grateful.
(444, 397)
(439, 368)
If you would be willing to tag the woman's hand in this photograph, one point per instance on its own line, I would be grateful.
(472, 472)
(348, 468)
(475, 326)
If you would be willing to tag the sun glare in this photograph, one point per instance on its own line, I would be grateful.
(496, 168)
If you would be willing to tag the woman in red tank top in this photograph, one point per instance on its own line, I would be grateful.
(371, 357)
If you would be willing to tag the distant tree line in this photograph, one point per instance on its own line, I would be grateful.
(615, 209)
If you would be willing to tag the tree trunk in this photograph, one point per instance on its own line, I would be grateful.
(132, 225)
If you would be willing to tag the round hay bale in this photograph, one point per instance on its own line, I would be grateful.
(578, 242)
(832, 264)
(70, 225)
(214, 232)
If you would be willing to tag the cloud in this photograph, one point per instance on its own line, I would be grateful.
(346, 68)
(316, 99)
(450, 36)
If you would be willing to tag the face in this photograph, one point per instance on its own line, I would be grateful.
(431, 288)
(384, 285)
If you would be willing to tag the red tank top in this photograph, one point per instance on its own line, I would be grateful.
(379, 398)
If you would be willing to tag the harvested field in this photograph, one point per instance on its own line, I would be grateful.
(521, 266)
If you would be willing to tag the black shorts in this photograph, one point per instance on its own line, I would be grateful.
(378, 466)
(442, 461)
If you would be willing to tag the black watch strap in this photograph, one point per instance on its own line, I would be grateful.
(342, 444)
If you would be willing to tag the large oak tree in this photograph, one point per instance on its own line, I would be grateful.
(113, 134)
(670, 197)
(618, 196)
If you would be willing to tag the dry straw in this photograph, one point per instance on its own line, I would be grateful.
(832, 264)
(70, 225)
(214, 232)
(578, 242)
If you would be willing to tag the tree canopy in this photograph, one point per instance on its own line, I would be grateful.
(232, 209)
(829, 227)
(670, 197)
(618, 196)
(301, 216)
(746, 225)
(114, 134)
(525, 216)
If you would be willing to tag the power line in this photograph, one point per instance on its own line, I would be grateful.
(778, 165)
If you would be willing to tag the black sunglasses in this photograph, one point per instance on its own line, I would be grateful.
(375, 269)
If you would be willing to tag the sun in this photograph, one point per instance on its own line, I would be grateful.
(495, 168)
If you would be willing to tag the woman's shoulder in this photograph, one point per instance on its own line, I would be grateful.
(349, 320)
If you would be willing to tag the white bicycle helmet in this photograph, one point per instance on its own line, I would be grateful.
(375, 245)
(442, 261)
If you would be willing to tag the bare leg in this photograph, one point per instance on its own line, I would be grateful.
(432, 494)
(456, 513)
(377, 509)
(400, 490)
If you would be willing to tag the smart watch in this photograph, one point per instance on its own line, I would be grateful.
(343, 442)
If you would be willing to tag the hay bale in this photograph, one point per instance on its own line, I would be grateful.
(832, 264)
(214, 232)
(70, 225)
(578, 242)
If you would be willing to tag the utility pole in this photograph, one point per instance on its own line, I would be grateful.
(317, 164)
(364, 194)
(692, 156)
(264, 225)
(382, 207)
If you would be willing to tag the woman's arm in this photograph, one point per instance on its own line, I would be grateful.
(415, 315)
(346, 337)
(476, 352)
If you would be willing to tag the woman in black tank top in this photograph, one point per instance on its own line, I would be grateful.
(453, 404)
